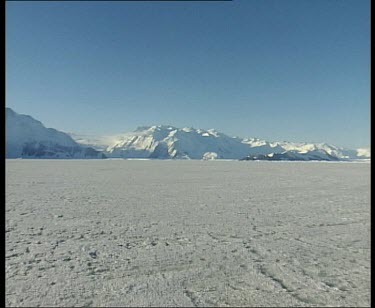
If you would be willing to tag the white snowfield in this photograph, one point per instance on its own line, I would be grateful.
(187, 233)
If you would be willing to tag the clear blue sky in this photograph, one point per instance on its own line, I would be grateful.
(279, 70)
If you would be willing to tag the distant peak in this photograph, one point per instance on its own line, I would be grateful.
(187, 129)
(154, 127)
(167, 127)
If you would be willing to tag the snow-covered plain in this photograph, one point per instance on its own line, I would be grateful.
(187, 233)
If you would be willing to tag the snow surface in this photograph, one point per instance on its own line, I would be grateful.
(187, 233)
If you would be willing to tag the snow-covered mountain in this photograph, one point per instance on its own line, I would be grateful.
(171, 142)
(332, 150)
(164, 141)
(292, 155)
(364, 153)
(29, 138)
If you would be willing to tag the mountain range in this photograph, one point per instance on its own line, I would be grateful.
(29, 138)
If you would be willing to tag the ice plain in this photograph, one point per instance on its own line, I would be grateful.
(187, 233)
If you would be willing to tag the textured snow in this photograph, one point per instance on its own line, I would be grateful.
(187, 233)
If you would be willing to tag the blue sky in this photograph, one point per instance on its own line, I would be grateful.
(279, 70)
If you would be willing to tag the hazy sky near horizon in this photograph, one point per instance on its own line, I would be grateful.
(296, 70)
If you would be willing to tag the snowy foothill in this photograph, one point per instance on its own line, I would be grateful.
(187, 233)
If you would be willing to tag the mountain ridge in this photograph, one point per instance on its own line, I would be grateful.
(27, 137)
(167, 141)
